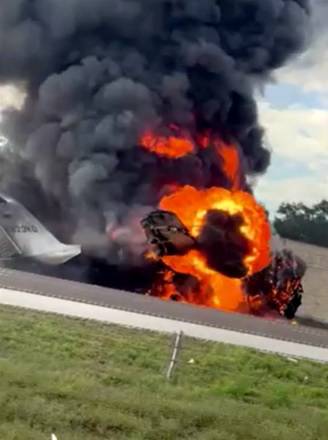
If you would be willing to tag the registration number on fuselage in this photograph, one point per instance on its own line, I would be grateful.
(23, 229)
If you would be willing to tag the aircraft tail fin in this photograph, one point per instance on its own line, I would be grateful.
(21, 234)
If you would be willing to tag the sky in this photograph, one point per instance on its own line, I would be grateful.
(294, 111)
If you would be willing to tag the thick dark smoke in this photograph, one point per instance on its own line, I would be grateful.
(98, 73)
(222, 231)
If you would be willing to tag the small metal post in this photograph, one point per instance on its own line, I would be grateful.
(175, 352)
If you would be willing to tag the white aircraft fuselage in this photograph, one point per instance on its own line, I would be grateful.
(22, 235)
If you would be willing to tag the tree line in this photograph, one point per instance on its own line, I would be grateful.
(299, 222)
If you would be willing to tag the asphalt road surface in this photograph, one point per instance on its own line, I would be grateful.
(152, 307)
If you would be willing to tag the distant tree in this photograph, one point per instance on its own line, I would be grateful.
(299, 222)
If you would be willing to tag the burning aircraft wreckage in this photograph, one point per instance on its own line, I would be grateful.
(215, 248)
(144, 112)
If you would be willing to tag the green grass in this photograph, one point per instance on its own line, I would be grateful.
(86, 381)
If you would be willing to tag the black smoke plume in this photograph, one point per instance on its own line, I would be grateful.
(223, 245)
(98, 73)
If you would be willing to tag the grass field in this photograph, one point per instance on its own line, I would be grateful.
(86, 381)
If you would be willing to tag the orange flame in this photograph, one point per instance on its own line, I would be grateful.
(191, 206)
(231, 163)
(179, 145)
(229, 155)
(173, 146)
(215, 290)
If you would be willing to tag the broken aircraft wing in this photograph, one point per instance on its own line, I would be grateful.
(21, 234)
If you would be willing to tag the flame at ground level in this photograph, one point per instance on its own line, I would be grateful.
(214, 289)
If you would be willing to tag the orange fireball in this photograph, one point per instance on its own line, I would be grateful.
(191, 206)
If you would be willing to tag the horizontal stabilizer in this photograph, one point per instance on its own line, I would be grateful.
(21, 234)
